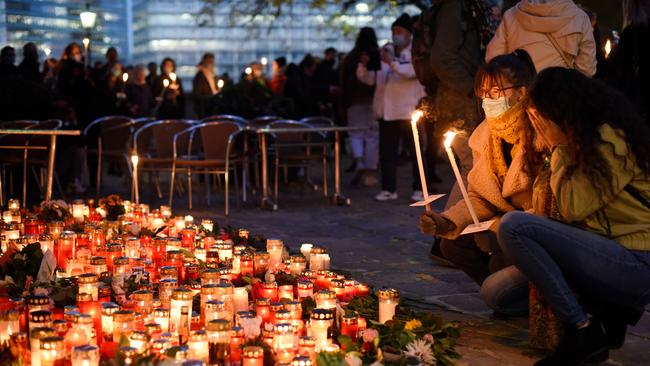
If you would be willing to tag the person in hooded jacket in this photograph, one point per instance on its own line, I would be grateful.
(553, 32)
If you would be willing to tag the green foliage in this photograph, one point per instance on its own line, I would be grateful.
(331, 359)
(21, 266)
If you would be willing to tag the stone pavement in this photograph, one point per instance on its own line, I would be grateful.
(379, 243)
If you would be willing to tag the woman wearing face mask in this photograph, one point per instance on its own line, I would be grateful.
(170, 100)
(500, 181)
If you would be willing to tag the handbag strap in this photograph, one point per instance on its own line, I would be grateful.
(637, 195)
(559, 50)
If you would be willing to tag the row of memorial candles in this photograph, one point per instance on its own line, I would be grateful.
(226, 316)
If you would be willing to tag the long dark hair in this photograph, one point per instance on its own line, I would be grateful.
(636, 13)
(366, 40)
(580, 106)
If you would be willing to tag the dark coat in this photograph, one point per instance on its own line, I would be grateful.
(353, 91)
(202, 94)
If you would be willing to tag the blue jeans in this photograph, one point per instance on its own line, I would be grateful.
(559, 259)
(506, 292)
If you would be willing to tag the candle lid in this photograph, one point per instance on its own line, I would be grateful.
(237, 331)
(123, 316)
(168, 271)
(283, 328)
(108, 308)
(337, 283)
(253, 352)
(143, 295)
(97, 261)
(182, 293)
(19, 337)
(52, 343)
(87, 278)
(68, 234)
(298, 259)
(218, 325)
(387, 293)
(262, 301)
(292, 305)
(350, 318)
(84, 319)
(139, 335)
(301, 361)
(325, 295)
(41, 332)
(168, 282)
(161, 313)
(83, 297)
(307, 341)
(318, 250)
(322, 314)
(36, 300)
(40, 316)
(120, 261)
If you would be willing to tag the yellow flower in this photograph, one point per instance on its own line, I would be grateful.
(412, 324)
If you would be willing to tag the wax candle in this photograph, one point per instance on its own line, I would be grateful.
(283, 340)
(93, 309)
(307, 348)
(418, 154)
(261, 262)
(143, 301)
(132, 247)
(225, 293)
(85, 355)
(55, 229)
(274, 247)
(245, 264)
(350, 326)
(240, 299)
(39, 319)
(161, 317)
(305, 289)
(139, 340)
(449, 137)
(165, 289)
(35, 336)
(7, 217)
(263, 309)
(187, 238)
(18, 305)
(13, 204)
(31, 226)
(89, 284)
(52, 352)
(38, 302)
(269, 290)
(236, 341)
(321, 320)
(78, 210)
(123, 323)
(218, 338)
(388, 300)
(224, 250)
(325, 299)
(108, 309)
(21, 342)
(181, 298)
(338, 287)
(66, 248)
(197, 346)
(318, 259)
(285, 292)
(297, 265)
(253, 356)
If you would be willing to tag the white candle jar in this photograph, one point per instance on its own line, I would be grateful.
(165, 289)
(297, 265)
(161, 317)
(321, 320)
(52, 351)
(35, 337)
(319, 259)
(388, 300)
(326, 299)
(139, 340)
(181, 298)
(86, 355)
(89, 284)
(274, 247)
(224, 250)
(108, 309)
(123, 323)
(218, 331)
(197, 345)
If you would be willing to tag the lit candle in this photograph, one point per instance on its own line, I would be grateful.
(285, 292)
(449, 138)
(89, 284)
(218, 342)
(161, 316)
(108, 309)
(123, 323)
(240, 299)
(301, 361)
(283, 343)
(275, 248)
(86, 355)
(78, 210)
(181, 298)
(35, 337)
(207, 225)
(263, 309)
(52, 351)
(269, 290)
(305, 249)
(307, 348)
(7, 217)
(388, 300)
(305, 289)
(418, 153)
(253, 356)
(298, 264)
(236, 341)
(321, 320)
(608, 48)
(197, 345)
(139, 340)
(350, 326)
(326, 299)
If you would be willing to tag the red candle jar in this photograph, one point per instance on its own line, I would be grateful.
(187, 238)
(18, 304)
(274, 308)
(158, 251)
(31, 225)
(246, 264)
(349, 290)
(269, 290)
(253, 356)
(83, 240)
(175, 258)
(295, 308)
(350, 326)
(285, 292)
(321, 280)
(236, 340)
(281, 316)
(305, 289)
(307, 348)
(113, 250)
(212, 256)
(263, 309)
(65, 248)
(338, 287)
(361, 290)
(209, 241)
(97, 241)
(120, 266)
(86, 305)
(261, 262)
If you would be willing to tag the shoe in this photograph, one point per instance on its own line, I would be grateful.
(615, 319)
(579, 346)
(369, 179)
(417, 196)
(386, 196)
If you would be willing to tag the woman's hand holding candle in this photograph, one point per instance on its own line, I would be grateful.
(432, 223)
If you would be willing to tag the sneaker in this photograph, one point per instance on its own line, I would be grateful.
(385, 196)
(417, 196)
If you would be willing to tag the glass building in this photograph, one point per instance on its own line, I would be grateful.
(52, 24)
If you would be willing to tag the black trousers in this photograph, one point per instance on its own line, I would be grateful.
(390, 133)
(476, 263)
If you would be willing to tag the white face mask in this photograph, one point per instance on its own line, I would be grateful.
(401, 40)
(493, 108)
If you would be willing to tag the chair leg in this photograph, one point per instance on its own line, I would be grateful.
(256, 166)
(189, 188)
(226, 189)
(157, 181)
(98, 179)
(207, 187)
(236, 179)
(325, 176)
(276, 180)
(24, 201)
(58, 185)
(171, 184)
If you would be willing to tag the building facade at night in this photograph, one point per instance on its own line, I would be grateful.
(149, 30)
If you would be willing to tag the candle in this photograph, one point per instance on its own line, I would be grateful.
(253, 356)
(240, 299)
(294, 308)
(39, 319)
(285, 292)
(305, 289)
(108, 309)
(301, 361)
(52, 351)
(236, 340)
(166, 212)
(132, 247)
(269, 290)
(275, 248)
(143, 301)
(263, 309)
(7, 217)
(418, 153)
(35, 337)
(86, 355)
(224, 250)
(207, 225)
(608, 48)
(449, 138)
(217, 348)
(350, 326)
(283, 342)
(161, 317)
(89, 284)
(13, 204)
(297, 265)
(92, 309)
(307, 348)
(245, 264)
(388, 300)
(165, 288)
(9, 324)
(305, 249)
(123, 323)
(319, 259)
(321, 320)
(326, 299)
(139, 340)
(78, 210)
(261, 262)
(181, 298)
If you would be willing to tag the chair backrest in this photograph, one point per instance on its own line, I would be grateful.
(42, 140)
(263, 121)
(216, 137)
(15, 140)
(287, 139)
(157, 138)
(226, 118)
(18, 124)
(49, 124)
(318, 121)
(105, 122)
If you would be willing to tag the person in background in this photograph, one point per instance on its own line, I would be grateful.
(29, 66)
(279, 78)
(74, 86)
(397, 92)
(302, 89)
(590, 258)
(501, 180)
(357, 100)
(629, 62)
(139, 99)
(170, 101)
(327, 78)
(152, 75)
(8, 62)
(50, 73)
(204, 84)
(553, 32)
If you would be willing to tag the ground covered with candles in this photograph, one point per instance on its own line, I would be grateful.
(158, 288)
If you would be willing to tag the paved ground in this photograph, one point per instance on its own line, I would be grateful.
(380, 244)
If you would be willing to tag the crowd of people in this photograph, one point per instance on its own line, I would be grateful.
(555, 148)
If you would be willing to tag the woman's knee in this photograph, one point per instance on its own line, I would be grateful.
(510, 225)
(506, 292)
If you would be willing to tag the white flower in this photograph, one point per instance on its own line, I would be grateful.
(422, 350)
(376, 363)
(251, 326)
(353, 360)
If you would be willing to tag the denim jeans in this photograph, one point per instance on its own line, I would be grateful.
(506, 292)
(559, 259)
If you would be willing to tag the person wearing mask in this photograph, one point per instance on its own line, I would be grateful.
(139, 99)
(169, 100)
(553, 32)
(279, 78)
(29, 67)
(8, 67)
(590, 258)
(630, 60)
(204, 84)
(357, 100)
(500, 181)
(397, 92)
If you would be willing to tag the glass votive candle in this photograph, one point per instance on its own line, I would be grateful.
(97, 265)
(297, 265)
(191, 271)
(210, 276)
(181, 298)
(236, 341)
(85, 356)
(361, 290)
(226, 291)
(325, 299)
(245, 264)
(40, 319)
(305, 289)
(240, 299)
(318, 259)
(321, 320)
(47, 243)
(338, 287)
(388, 300)
(35, 336)
(132, 247)
(215, 309)
(52, 351)
(269, 290)
(253, 356)
(165, 289)
(284, 342)
(55, 228)
(281, 316)
(154, 330)
(295, 308)
(224, 250)
(161, 316)
(285, 292)
(120, 266)
(38, 302)
(208, 292)
(143, 301)
(65, 248)
(139, 340)
(263, 309)
(123, 323)
(197, 346)
(89, 284)
(274, 247)
(307, 347)
(168, 272)
(108, 309)
(261, 262)
(218, 339)
(350, 326)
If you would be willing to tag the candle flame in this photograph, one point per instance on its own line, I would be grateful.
(449, 138)
(125, 77)
(86, 42)
(172, 76)
(135, 159)
(264, 61)
(608, 48)
(220, 83)
(165, 83)
(248, 71)
(415, 117)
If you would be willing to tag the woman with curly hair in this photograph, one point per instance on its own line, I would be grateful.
(593, 264)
